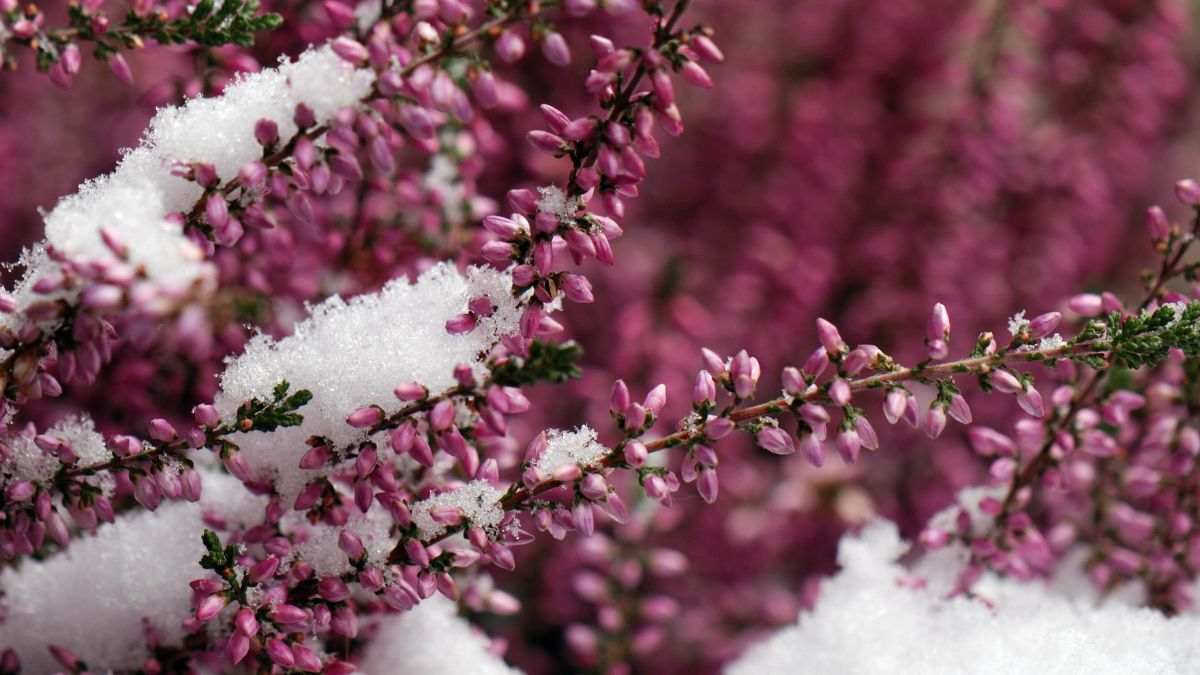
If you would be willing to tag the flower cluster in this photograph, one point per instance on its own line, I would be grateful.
(321, 480)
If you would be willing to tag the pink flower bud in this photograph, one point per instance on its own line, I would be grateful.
(656, 400)
(839, 391)
(695, 74)
(775, 440)
(209, 607)
(510, 47)
(620, 399)
(266, 132)
(848, 445)
(411, 391)
(707, 485)
(555, 49)
(161, 430)
(935, 421)
(894, 404)
(1044, 324)
(350, 50)
(830, 338)
(705, 389)
(1187, 191)
(1157, 224)
(813, 449)
(636, 454)
(367, 416)
(316, 457)
(959, 409)
(206, 415)
(1086, 304)
(577, 288)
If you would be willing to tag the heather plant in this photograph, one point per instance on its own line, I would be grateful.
(338, 472)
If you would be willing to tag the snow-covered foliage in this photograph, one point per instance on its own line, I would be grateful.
(351, 354)
(95, 595)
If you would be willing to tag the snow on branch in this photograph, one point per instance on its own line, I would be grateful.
(95, 595)
(134, 201)
(354, 354)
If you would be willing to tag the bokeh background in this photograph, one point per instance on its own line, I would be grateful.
(858, 160)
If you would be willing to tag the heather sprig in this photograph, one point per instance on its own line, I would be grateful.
(57, 50)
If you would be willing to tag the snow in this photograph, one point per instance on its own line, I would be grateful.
(478, 501)
(29, 462)
(875, 616)
(431, 640)
(352, 354)
(569, 447)
(93, 597)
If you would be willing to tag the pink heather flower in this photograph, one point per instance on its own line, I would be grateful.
(855, 361)
(656, 487)
(1086, 304)
(813, 449)
(1187, 191)
(510, 47)
(775, 440)
(695, 74)
(988, 442)
(441, 417)
(411, 391)
(894, 403)
(1044, 324)
(1157, 224)
(705, 389)
(959, 409)
(619, 399)
(848, 445)
(367, 416)
(350, 50)
(793, 381)
(1006, 382)
(1030, 401)
(707, 49)
(120, 67)
(209, 607)
(161, 430)
(830, 339)
(656, 400)
(315, 457)
(866, 433)
(577, 288)
(717, 428)
(206, 415)
(707, 485)
(555, 49)
(935, 421)
(839, 391)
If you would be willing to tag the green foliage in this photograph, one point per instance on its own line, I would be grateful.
(233, 22)
(547, 362)
(217, 557)
(259, 415)
(1145, 339)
